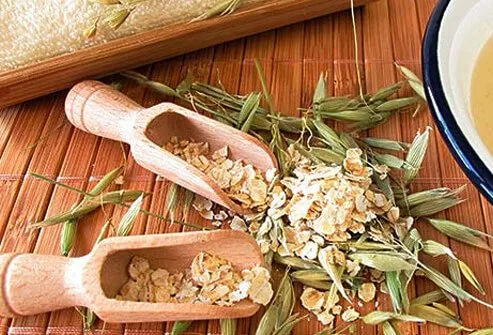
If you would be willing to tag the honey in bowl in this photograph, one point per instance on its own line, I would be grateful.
(482, 95)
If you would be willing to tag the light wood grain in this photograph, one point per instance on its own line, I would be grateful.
(33, 284)
(100, 110)
(64, 71)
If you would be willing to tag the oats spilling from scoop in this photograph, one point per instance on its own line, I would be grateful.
(210, 280)
(242, 182)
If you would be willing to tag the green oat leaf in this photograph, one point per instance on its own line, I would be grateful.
(461, 232)
(268, 321)
(435, 315)
(330, 136)
(326, 155)
(265, 89)
(486, 331)
(394, 286)
(449, 286)
(127, 221)
(105, 182)
(434, 206)
(69, 231)
(333, 104)
(286, 299)
(377, 317)
(385, 92)
(249, 109)
(115, 197)
(386, 144)
(416, 154)
(435, 249)
(334, 272)
(454, 271)
(348, 141)
(388, 329)
(445, 309)
(321, 90)
(383, 262)
(413, 80)
(171, 201)
(470, 277)
(433, 196)
(153, 85)
(396, 104)
(89, 318)
(187, 204)
(310, 275)
(296, 262)
(228, 326)
(103, 233)
(318, 284)
(179, 327)
(391, 161)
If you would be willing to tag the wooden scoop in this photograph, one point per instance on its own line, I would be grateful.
(99, 109)
(32, 284)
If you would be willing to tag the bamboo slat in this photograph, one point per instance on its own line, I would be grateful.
(286, 91)
(293, 58)
(406, 52)
(379, 72)
(259, 47)
(226, 71)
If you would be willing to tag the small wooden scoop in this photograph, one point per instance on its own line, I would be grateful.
(32, 284)
(99, 109)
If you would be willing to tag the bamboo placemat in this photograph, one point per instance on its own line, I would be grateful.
(35, 137)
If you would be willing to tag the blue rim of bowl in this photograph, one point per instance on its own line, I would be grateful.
(457, 143)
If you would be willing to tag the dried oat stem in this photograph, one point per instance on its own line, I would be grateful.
(116, 198)
(227, 107)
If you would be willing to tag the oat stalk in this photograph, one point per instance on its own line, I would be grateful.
(228, 326)
(224, 7)
(179, 327)
(119, 198)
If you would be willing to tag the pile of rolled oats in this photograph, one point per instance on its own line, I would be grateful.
(316, 209)
(210, 280)
(309, 214)
(242, 182)
(319, 206)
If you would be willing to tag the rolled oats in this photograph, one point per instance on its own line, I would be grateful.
(210, 280)
(350, 315)
(312, 299)
(241, 182)
(237, 223)
(367, 291)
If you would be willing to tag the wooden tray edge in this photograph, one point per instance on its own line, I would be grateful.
(151, 46)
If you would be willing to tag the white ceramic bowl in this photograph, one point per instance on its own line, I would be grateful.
(456, 33)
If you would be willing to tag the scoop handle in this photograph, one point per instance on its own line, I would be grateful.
(101, 110)
(32, 284)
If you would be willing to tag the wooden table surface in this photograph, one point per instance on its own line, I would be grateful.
(36, 137)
